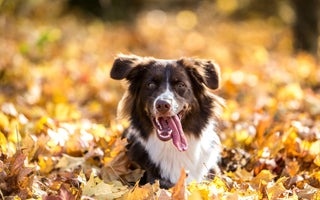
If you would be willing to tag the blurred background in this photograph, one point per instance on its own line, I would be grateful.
(58, 103)
(56, 55)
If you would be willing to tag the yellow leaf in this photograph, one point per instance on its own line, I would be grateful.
(276, 189)
(204, 190)
(4, 121)
(28, 144)
(195, 195)
(317, 160)
(315, 148)
(99, 131)
(65, 112)
(90, 188)
(14, 134)
(290, 142)
(243, 174)
(290, 92)
(264, 176)
(3, 143)
(316, 195)
(219, 183)
(46, 164)
(101, 191)
(69, 162)
(17, 198)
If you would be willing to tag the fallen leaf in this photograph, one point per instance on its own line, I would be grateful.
(265, 176)
(317, 160)
(179, 190)
(68, 162)
(65, 194)
(274, 190)
(117, 167)
(144, 192)
(9, 109)
(4, 121)
(164, 195)
(243, 174)
(195, 195)
(3, 143)
(312, 104)
(95, 187)
(292, 167)
(308, 192)
(315, 148)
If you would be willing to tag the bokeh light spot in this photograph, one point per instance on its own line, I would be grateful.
(156, 18)
(187, 19)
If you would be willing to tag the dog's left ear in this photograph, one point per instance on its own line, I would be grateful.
(123, 65)
(205, 71)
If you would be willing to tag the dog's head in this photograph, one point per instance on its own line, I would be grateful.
(164, 94)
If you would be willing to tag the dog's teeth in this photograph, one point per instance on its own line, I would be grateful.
(157, 121)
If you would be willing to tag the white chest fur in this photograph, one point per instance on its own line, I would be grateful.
(202, 154)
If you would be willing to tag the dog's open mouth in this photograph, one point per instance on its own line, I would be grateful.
(170, 127)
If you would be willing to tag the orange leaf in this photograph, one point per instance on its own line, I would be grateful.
(144, 192)
(179, 190)
(292, 168)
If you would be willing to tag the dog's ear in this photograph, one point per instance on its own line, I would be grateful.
(122, 66)
(205, 71)
(212, 73)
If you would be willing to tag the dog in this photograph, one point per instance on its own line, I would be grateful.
(173, 116)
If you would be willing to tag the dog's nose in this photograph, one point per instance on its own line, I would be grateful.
(162, 106)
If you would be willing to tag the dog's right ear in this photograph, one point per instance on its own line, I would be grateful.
(122, 66)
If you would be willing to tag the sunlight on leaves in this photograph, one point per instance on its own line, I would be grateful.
(59, 134)
(101, 191)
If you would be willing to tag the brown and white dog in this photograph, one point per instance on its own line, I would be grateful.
(169, 100)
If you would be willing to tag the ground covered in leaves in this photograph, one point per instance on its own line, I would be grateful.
(59, 137)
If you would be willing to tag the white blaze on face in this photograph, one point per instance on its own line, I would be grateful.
(168, 124)
(169, 97)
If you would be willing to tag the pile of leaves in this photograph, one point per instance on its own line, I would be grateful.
(59, 136)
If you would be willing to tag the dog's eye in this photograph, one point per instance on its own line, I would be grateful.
(181, 84)
(151, 85)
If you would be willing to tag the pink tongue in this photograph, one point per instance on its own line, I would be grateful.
(178, 137)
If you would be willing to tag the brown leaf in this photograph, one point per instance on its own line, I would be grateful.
(51, 198)
(308, 192)
(16, 163)
(116, 167)
(65, 194)
(15, 177)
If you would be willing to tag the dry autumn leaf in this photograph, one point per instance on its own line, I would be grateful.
(179, 190)
(145, 192)
(59, 134)
(96, 188)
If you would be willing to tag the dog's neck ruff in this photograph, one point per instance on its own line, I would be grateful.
(201, 155)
